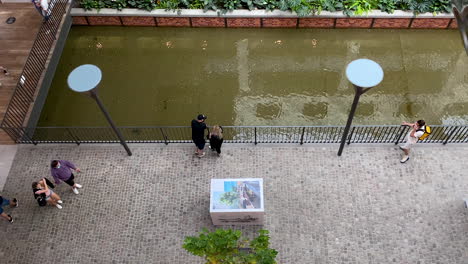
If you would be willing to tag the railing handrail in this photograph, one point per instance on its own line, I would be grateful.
(25, 90)
(320, 126)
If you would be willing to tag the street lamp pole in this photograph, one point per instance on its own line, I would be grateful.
(363, 74)
(460, 11)
(85, 79)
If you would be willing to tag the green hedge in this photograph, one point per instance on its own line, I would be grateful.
(301, 7)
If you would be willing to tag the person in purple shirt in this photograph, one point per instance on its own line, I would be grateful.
(61, 170)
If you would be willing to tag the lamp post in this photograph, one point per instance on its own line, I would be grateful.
(460, 11)
(85, 79)
(363, 74)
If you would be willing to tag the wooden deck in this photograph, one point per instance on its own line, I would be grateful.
(16, 41)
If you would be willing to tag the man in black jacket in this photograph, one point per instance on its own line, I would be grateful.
(198, 134)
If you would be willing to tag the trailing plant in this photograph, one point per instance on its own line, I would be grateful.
(225, 246)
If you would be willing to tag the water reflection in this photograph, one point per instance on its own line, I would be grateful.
(260, 76)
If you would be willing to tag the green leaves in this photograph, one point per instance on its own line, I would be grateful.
(301, 7)
(359, 7)
(388, 6)
(223, 246)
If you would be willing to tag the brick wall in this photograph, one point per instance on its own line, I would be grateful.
(253, 22)
(138, 21)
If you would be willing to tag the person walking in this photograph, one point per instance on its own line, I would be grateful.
(4, 202)
(61, 170)
(216, 139)
(416, 131)
(198, 134)
(41, 188)
(42, 6)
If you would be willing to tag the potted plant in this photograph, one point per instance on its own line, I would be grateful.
(228, 246)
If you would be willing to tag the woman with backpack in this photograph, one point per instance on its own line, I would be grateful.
(42, 192)
(216, 139)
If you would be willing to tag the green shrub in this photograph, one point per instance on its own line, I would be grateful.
(388, 6)
(332, 5)
(418, 6)
(224, 246)
(359, 7)
(301, 7)
(440, 6)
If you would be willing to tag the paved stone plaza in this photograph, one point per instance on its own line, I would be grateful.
(363, 207)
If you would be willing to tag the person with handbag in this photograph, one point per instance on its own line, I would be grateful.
(42, 191)
(216, 139)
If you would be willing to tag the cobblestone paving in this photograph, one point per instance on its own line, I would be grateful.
(363, 207)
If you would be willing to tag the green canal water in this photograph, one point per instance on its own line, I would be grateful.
(166, 76)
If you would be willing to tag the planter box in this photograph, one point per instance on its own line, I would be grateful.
(260, 18)
(237, 202)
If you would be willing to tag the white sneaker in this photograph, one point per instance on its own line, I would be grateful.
(404, 159)
(78, 185)
(75, 190)
(60, 201)
(58, 206)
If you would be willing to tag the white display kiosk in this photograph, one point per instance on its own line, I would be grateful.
(237, 201)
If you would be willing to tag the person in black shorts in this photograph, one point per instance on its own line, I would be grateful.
(198, 134)
(61, 170)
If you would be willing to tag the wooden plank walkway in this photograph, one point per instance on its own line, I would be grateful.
(16, 41)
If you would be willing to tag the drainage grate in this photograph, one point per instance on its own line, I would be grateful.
(10, 20)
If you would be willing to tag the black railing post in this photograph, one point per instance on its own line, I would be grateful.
(255, 130)
(77, 141)
(401, 134)
(358, 92)
(164, 136)
(450, 135)
(28, 137)
(350, 135)
(19, 104)
(302, 135)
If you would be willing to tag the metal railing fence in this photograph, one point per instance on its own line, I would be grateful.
(238, 134)
(23, 95)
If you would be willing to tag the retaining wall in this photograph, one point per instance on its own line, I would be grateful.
(259, 18)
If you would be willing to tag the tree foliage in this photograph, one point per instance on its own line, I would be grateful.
(226, 246)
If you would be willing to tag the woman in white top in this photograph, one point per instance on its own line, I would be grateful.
(417, 130)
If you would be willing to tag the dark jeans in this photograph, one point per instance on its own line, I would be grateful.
(70, 180)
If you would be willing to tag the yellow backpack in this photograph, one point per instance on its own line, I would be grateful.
(427, 132)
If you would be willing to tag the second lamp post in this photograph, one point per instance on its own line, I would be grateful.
(363, 74)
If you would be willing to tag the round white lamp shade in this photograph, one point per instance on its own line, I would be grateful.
(364, 73)
(84, 78)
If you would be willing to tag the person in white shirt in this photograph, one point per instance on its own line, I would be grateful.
(417, 130)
